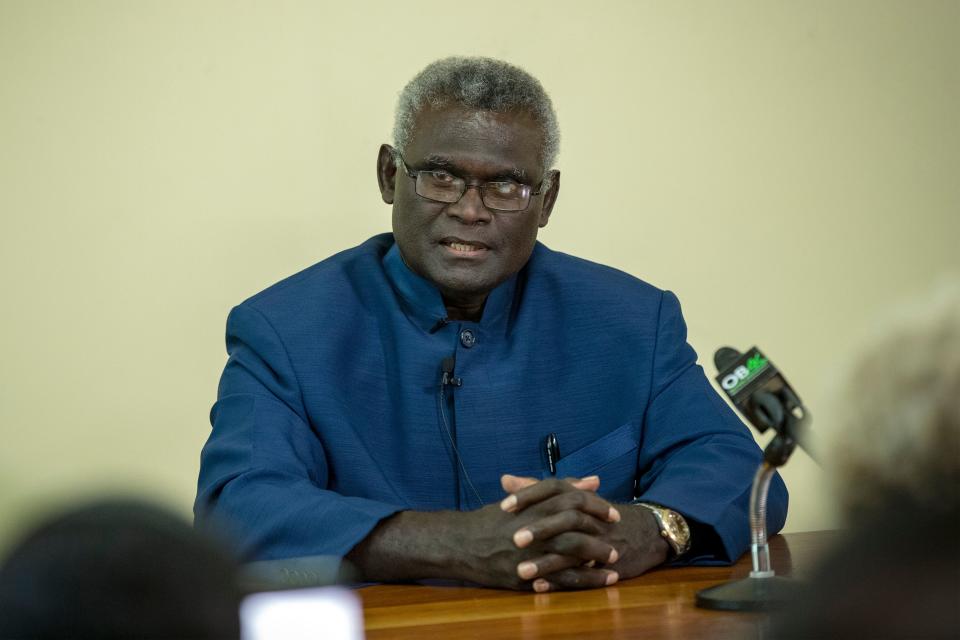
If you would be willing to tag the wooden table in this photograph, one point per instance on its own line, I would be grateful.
(659, 604)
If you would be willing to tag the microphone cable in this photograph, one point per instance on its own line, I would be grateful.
(445, 379)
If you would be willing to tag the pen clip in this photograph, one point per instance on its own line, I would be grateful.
(552, 448)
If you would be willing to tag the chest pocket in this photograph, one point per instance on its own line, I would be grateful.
(613, 457)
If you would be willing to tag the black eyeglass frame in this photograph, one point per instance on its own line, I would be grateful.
(414, 174)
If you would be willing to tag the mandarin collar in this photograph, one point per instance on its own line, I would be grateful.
(424, 304)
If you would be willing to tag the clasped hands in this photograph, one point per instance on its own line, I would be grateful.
(559, 534)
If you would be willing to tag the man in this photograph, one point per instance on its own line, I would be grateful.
(457, 401)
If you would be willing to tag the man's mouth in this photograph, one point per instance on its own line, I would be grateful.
(464, 247)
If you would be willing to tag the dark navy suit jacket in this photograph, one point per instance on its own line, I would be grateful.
(328, 413)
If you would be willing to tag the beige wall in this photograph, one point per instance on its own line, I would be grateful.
(787, 168)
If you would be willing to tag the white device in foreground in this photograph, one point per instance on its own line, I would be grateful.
(332, 613)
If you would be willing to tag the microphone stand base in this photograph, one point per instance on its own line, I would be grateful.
(749, 594)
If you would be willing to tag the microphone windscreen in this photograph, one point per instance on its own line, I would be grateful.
(724, 357)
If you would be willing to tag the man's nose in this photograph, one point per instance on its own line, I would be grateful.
(470, 209)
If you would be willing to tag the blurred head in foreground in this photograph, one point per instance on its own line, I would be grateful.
(895, 462)
(118, 569)
(899, 417)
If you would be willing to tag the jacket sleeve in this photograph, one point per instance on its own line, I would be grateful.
(696, 456)
(263, 471)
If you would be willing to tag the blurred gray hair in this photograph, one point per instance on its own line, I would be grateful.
(899, 414)
(477, 83)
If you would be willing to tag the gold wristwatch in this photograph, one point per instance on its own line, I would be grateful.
(673, 527)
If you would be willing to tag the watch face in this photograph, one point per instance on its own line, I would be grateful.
(677, 521)
(678, 528)
(672, 527)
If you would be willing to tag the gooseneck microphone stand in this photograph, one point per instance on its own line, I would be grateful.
(763, 590)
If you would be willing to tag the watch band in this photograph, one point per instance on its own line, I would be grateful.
(673, 527)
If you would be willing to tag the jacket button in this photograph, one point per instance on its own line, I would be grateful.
(468, 338)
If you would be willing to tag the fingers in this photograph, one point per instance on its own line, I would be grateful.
(590, 483)
(560, 495)
(544, 565)
(572, 550)
(568, 549)
(512, 484)
(555, 524)
(576, 578)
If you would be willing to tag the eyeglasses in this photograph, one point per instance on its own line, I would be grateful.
(501, 195)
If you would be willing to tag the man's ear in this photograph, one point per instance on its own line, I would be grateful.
(386, 173)
(550, 198)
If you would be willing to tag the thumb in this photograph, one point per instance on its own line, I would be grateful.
(590, 483)
(512, 484)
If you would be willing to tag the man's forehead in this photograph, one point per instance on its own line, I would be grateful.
(459, 135)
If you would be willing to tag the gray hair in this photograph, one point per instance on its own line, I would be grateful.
(898, 418)
(477, 83)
